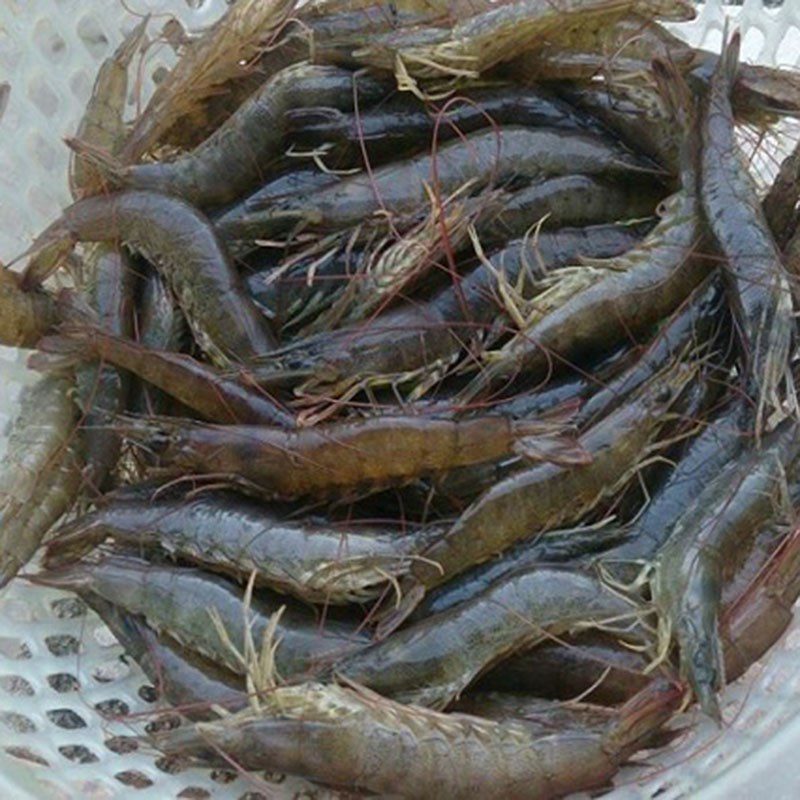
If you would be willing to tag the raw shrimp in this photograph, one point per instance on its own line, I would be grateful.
(209, 65)
(780, 203)
(160, 325)
(183, 678)
(245, 148)
(402, 124)
(41, 470)
(339, 455)
(102, 391)
(541, 716)
(401, 188)
(761, 294)
(341, 737)
(196, 385)
(102, 126)
(570, 200)
(413, 337)
(547, 496)
(184, 602)
(752, 624)
(181, 242)
(571, 545)
(689, 570)
(25, 316)
(499, 34)
(646, 284)
(311, 558)
(569, 667)
(717, 445)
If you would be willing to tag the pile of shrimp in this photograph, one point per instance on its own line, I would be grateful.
(417, 399)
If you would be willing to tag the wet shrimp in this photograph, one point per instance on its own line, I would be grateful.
(432, 661)
(343, 455)
(184, 603)
(183, 678)
(420, 336)
(483, 40)
(761, 293)
(401, 189)
(249, 144)
(340, 737)
(316, 560)
(181, 243)
(196, 385)
(41, 474)
(102, 127)
(688, 571)
(25, 315)
(102, 390)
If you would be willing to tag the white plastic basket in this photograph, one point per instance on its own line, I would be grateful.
(61, 675)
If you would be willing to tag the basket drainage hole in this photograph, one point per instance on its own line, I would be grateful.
(148, 693)
(63, 682)
(223, 776)
(66, 718)
(78, 753)
(122, 745)
(14, 648)
(18, 723)
(26, 754)
(68, 608)
(112, 709)
(62, 644)
(134, 779)
(194, 793)
(16, 685)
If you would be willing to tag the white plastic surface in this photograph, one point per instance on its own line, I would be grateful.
(63, 684)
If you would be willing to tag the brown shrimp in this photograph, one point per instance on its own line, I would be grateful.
(342, 455)
(183, 245)
(355, 739)
(220, 57)
(248, 144)
(195, 384)
(102, 126)
(25, 316)
(548, 496)
(762, 299)
(41, 470)
(486, 39)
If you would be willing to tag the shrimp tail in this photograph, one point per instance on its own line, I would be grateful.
(557, 449)
(109, 167)
(644, 714)
(70, 543)
(702, 662)
(728, 66)
(413, 594)
(675, 91)
(71, 577)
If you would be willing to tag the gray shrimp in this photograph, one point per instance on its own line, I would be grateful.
(182, 244)
(761, 292)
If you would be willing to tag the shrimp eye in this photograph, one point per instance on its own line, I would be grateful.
(664, 395)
